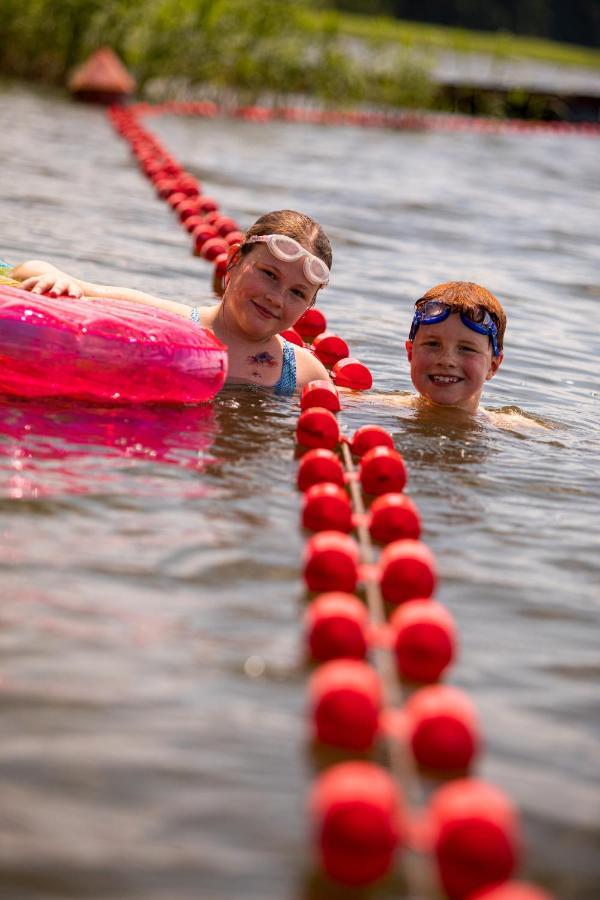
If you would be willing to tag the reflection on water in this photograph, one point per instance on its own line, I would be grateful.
(152, 682)
(56, 448)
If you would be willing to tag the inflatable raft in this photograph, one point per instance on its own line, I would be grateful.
(104, 351)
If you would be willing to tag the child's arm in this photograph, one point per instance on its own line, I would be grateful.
(308, 367)
(41, 277)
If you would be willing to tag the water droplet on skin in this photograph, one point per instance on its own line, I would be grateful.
(254, 666)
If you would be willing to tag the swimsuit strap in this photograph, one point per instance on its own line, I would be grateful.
(286, 385)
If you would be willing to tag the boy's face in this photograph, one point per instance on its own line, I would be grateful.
(450, 363)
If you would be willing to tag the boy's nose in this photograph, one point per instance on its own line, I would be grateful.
(448, 356)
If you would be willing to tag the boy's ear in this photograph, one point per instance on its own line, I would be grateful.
(409, 346)
(494, 366)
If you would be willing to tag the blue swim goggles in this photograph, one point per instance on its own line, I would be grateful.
(430, 312)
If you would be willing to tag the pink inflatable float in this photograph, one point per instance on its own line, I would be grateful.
(104, 351)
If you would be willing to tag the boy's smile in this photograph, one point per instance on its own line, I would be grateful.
(450, 363)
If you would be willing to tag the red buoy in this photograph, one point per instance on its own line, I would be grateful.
(407, 571)
(369, 436)
(336, 627)
(291, 335)
(511, 890)
(320, 393)
(330, 348)
(326, 507)
(193, 222)
(207, 204)
(393, 517)
(317, 466)
(331, 562)
(352, 374)
(201, 234)
(345, 702)
(213, 247)
(423, 640)
(475, 836)
(187, 208)
(311, 323)
(357, 816)
(234, 237)
(382, 470)
(225, 225)
(442, 728)
(317, 427)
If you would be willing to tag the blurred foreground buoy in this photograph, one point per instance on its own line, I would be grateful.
(475, 837)
(357, 818)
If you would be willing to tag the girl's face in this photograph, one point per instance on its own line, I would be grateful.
(266, 295)
(450, 363)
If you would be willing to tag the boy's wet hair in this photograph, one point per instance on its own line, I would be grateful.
(466, 296)
(295, 225)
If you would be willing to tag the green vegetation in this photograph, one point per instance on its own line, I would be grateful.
(420, 36)
(277, 48)
(264, 46)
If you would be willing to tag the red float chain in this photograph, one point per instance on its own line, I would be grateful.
(361, 813)
(467, 835)
(213, 234)
(401, 121)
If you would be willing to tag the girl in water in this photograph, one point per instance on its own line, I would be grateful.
(272, 278)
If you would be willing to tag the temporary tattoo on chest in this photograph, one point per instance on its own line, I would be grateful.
(262, 359)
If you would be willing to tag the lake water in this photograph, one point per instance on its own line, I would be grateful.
(152, 678)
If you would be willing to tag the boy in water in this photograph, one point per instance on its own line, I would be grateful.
(455, 344)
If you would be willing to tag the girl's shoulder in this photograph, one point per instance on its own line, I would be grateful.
(308, 367)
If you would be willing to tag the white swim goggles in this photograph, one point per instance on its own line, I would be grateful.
(289, 250)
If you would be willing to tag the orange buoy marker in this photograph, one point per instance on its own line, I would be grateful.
(393, 517)
(311, 323)
(336, 627)
(317, 466)
(345, 700)
(381, 471)
(423, 637)
(407, 571)
(475, 836)
(330, 348)
(368, 436)
(327, 507)
(102, 78)
(331, 562)
(511, 890)
(317, 427)
(357, 816)
(320, 393)
(442, 729)
(350, 373)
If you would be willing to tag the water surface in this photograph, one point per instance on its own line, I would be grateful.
(152, 682)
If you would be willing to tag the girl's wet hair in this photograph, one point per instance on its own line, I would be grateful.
(466, 296)
(295, 225)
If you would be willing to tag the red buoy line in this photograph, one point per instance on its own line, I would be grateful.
(399, 121)
(467, 834)
(213, 234)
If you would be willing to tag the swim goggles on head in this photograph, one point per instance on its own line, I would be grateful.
(430, 312)
(289, 250)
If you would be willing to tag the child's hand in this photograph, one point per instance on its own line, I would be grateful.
(56, 284)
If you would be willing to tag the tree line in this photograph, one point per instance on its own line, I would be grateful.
(571, 21)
